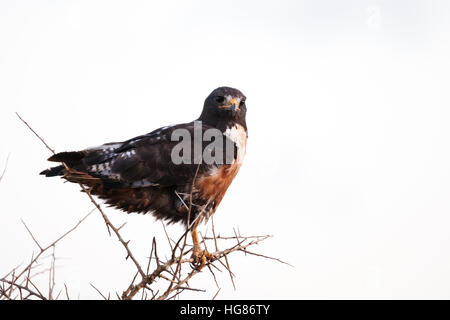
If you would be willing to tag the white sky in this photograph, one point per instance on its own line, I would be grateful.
(348, 162)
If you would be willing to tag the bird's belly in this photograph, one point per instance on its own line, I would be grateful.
(213, 187)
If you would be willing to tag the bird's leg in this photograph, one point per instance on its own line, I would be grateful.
(200, 256)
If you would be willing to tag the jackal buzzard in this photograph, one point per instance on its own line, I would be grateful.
(139, 175)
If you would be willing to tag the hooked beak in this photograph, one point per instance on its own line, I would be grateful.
(233, 105)
(234, 109)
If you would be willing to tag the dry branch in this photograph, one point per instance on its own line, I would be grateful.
(167, 280)
(21, 281)
(4, 169)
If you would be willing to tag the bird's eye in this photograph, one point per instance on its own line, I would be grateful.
(220, 99)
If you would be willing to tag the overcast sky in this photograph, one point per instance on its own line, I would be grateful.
(348, 158)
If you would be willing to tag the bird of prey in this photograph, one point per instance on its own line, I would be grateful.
(140, 174)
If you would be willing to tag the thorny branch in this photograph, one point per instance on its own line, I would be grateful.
(21, 281)
(168, 278)
(108, 223)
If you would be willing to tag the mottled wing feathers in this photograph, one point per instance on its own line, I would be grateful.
(139, 162)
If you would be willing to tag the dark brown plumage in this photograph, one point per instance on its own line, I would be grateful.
(138, 175)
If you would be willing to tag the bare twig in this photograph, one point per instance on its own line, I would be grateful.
(181, 260)
(67, 292)
(105, 217)
(99, 292)
(30, 291)
(27, 270)
(116, 231)
(215, 296)
(4, 170)
(170, 272)
(32, 236)
(38, 136)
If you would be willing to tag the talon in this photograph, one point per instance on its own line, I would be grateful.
(200, 258)
(199, 261)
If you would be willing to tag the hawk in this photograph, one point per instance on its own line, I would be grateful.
(140, 174)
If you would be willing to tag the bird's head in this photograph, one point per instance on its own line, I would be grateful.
(224, 104)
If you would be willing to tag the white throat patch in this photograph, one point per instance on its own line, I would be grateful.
(238, 135)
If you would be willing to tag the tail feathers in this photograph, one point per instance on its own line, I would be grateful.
(53, 172)
(67, 157)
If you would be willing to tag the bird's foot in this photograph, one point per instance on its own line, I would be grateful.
(200, 257)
